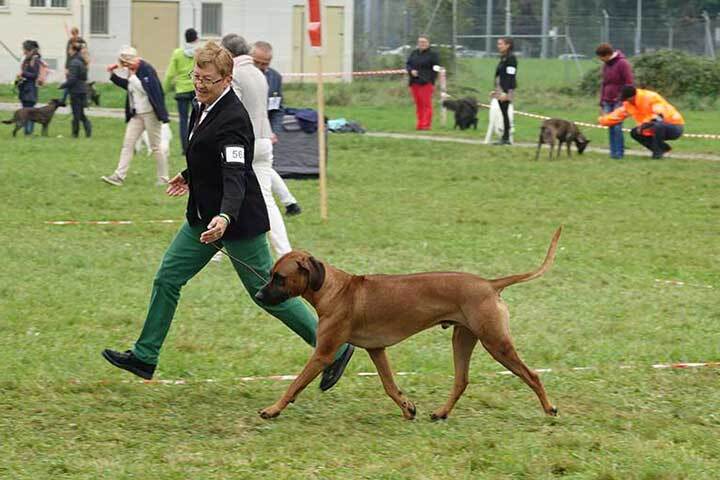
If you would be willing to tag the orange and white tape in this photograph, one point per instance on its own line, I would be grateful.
(367, 73)
(709, 136)
(289, 378)
(107, 222)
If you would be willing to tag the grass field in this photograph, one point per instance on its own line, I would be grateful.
(395, 206)
(545, 87)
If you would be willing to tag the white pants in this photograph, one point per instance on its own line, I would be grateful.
(280, 189)
(262, 165)
(143, 122)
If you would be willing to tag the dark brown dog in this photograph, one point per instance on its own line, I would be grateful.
(41, 115)
(376, 311)
(563, 131)
(465, 112)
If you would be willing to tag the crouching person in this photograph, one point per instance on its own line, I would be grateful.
(657, 120)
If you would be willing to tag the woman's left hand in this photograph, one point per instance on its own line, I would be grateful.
(215, 231)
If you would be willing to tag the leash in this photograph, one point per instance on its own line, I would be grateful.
(220, 249)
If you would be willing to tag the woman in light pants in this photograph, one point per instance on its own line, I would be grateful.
(144, 111)
(262, 164)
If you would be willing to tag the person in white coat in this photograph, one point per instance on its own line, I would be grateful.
(251, 87)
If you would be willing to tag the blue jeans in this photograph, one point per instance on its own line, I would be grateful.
(617, 141)
(29, 125)
(184, 101)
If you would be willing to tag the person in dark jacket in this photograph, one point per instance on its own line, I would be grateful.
(616, 74)
(422, 67)
(76, 86)
(506, 83)
(26, 80)
(75, 39)
(144, 111)
(225, 209)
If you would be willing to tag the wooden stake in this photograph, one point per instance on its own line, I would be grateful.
(321, 142)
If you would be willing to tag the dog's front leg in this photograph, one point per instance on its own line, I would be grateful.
(382, 364)
(321, 358)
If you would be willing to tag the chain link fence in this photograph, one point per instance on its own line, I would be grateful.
(391, 26)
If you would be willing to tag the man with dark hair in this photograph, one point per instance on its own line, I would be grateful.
(177, 76)
(657, 119)
(616, 74)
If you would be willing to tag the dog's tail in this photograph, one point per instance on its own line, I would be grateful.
(500, 283)
(8, 121)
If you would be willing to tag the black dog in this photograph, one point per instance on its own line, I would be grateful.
(563, 131)
(41, 115)
(465, 112)
(93, 94)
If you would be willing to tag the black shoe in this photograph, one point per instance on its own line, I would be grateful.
(334, 371)
(128, 361)
(293, 209)
(503, 141)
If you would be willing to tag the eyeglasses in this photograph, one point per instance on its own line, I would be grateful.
(203, 81)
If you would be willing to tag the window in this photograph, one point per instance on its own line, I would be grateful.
(48, 3)
(211, 19)
(99, 17)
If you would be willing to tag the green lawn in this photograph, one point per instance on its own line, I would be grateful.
(395, 206)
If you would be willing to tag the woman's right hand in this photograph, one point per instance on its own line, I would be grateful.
(111, 67)
(177, 186)
(414, 73)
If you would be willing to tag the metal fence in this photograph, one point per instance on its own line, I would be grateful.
(383, 25)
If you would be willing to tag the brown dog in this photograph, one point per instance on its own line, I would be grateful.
(563, 131)
(376, 311)
(41, 115)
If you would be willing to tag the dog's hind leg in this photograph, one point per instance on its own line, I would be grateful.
(18, 126)
(540, 142)
(464, 342)
(379, 358)
(44, 130)
(497, 341)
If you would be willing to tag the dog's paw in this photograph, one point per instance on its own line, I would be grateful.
(553, 412)
(436, 416)
(409, 410)
(269, 412)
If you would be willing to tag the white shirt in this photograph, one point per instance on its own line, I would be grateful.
(138, 96)
(208, 108)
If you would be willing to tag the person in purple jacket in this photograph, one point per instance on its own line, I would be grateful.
(616, 74)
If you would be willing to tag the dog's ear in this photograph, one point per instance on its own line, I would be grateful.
(316, 272)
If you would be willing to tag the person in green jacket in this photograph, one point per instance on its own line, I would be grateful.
(177, 77)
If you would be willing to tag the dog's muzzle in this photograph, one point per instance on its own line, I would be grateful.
(271, 296)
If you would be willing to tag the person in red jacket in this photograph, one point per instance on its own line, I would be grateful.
(616, 73)
(657, 119)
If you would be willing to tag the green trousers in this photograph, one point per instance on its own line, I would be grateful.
(185, 257)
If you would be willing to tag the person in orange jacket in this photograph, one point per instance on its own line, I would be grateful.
(657, 120)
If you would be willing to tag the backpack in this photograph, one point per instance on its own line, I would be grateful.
(43, 73)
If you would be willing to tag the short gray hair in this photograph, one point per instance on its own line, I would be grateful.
(235, 44)
(262, 45)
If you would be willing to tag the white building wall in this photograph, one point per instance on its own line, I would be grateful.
(269, 20)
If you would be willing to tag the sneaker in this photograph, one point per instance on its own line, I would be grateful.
(503, 141)
(293, 209)
(113, 180)
(334, 371)
(128, 361)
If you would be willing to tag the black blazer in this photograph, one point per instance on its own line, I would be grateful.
(423, 62)
(224, 185)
